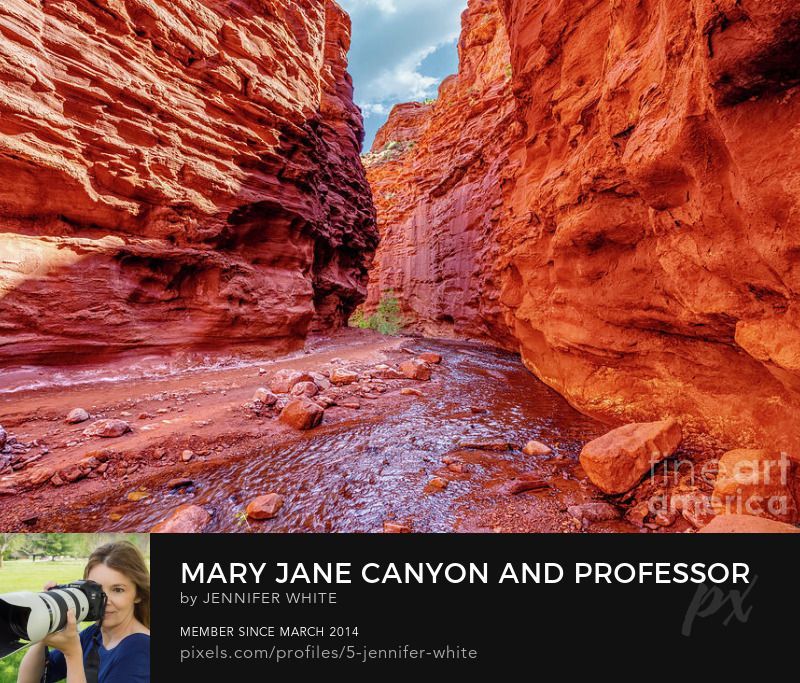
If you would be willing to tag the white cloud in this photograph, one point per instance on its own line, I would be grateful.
(390, 41)
(373, 109)
(401, 82)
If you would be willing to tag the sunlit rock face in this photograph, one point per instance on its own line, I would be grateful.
(437, 171)
(638, 204)
(177, 175)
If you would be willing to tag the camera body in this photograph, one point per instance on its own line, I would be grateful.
(27, 616)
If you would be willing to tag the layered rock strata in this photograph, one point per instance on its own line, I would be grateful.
(641, 211)
(437, 171)
(176, 175)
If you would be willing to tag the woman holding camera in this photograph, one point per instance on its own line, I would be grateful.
(113, 650)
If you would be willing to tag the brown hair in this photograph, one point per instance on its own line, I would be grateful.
(125, 558)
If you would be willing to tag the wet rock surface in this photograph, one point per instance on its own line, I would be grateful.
(265, 397)
(302, 413)
(396, 528)
(341, 377)
(285, 380)
(536, 448)
(487, 444)
(265, 507)
(353, 472)
(187, 519)
(416, 369)
(594, 512)
(307, 389)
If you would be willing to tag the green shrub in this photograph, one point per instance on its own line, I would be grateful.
(357, 319)
(391, 151)
(387, 318)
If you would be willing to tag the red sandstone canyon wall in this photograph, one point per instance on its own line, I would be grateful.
(645, 241)
(437, 172)
(179, 174)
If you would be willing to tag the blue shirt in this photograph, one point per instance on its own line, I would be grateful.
(128, 662)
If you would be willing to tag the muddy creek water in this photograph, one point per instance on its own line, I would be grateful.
(353, 474)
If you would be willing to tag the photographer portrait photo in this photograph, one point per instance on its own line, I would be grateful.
(75, 608)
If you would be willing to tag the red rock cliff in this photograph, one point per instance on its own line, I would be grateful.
(179, 174)
(647, 239)
(437, 172)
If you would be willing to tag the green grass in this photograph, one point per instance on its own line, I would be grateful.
(24, 575)
(9, 667)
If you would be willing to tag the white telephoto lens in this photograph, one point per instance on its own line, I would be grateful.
(36, 624)
(67, 598)
(48, 610)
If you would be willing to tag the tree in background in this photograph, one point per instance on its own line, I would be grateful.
(63, 545)
(52, 545)
(84, 544)
(9, 543)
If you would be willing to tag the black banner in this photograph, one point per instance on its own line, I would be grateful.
(245, 605)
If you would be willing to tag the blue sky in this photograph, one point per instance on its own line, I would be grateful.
(401, 50)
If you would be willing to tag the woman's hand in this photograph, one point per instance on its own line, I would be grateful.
(67, 639)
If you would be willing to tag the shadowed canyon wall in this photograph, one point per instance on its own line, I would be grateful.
(640, 237)
(179, 174)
